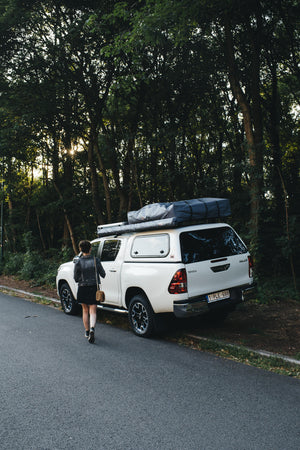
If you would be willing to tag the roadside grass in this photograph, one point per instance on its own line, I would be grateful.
(241, 354)
(32, 297)
(113, 319)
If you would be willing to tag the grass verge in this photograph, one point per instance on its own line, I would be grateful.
(242, 355)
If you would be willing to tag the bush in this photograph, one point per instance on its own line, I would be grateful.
(13, 263)
(49, 273)
(34, 266)
(276, 289)
(39, 268)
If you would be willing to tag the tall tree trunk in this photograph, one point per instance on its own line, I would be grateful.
(127, 183)
(94, 179)
(104, 180)
(255, 34)
(67, 220)
(153, 174)
(275, 144)
(236, 144)
(12, 237)
(40, 229)
(137, 183)
(55, 156)
(247, 121)
(28, 198)
(220, 164)
(170, 153)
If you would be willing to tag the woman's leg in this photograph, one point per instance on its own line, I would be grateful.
(85, 316)
(93, 315)
(93, 318)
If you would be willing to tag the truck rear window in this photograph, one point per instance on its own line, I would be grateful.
(201, 245)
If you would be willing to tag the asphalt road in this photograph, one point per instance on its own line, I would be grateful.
(57, 391)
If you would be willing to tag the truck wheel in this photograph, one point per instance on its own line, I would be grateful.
(141, 316)
(68, 303)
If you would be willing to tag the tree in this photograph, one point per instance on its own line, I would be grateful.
(126, 103)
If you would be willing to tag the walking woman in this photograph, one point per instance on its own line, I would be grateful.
(85, 271)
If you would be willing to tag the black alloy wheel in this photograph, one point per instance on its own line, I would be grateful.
(68, 303)
(141, 316)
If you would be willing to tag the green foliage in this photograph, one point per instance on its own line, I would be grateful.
(13, 263)
(119, 104)
(34, 266)
(277, 289)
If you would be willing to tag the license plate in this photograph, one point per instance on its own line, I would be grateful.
(216, 296)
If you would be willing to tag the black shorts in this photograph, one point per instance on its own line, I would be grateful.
(87, 295)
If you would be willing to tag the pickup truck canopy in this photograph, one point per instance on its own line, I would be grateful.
(169, 215)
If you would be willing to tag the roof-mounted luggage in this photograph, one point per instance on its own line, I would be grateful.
(169, 215)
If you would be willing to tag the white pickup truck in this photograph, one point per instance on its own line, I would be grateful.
(182, 270)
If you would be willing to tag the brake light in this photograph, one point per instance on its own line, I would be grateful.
(178, 283)
(250, 265)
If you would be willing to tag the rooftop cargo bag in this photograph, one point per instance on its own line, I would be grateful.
(182, 211)
(172, 214)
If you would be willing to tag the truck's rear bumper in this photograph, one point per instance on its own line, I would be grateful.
(198, 305)
(249, 292)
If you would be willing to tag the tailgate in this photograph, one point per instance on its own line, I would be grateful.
(215, 258)
(212, 276)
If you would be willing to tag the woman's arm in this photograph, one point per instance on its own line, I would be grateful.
(100, 268)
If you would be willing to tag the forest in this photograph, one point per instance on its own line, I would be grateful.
(107, 106)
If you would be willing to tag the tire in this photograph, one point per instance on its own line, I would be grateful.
(68, 303)
(141, 316)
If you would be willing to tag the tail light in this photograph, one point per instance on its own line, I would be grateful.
(178, 283)
(250, 265)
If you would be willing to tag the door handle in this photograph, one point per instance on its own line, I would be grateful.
(220, 268)
(112, 270)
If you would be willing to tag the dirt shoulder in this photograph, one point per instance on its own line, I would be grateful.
(14, 283)
(274, 327)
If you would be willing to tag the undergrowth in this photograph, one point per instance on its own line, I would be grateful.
(272, 289)
(34, 266)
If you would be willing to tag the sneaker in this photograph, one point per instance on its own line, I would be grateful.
(92, 336)
(87, 334)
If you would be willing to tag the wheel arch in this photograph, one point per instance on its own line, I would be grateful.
(63, 281)
(60, 283)
(132, 292)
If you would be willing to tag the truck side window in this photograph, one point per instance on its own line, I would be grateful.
(151, 246)
(110, 249)
(95, 249)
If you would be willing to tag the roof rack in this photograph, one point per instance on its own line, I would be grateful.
(108, 225)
